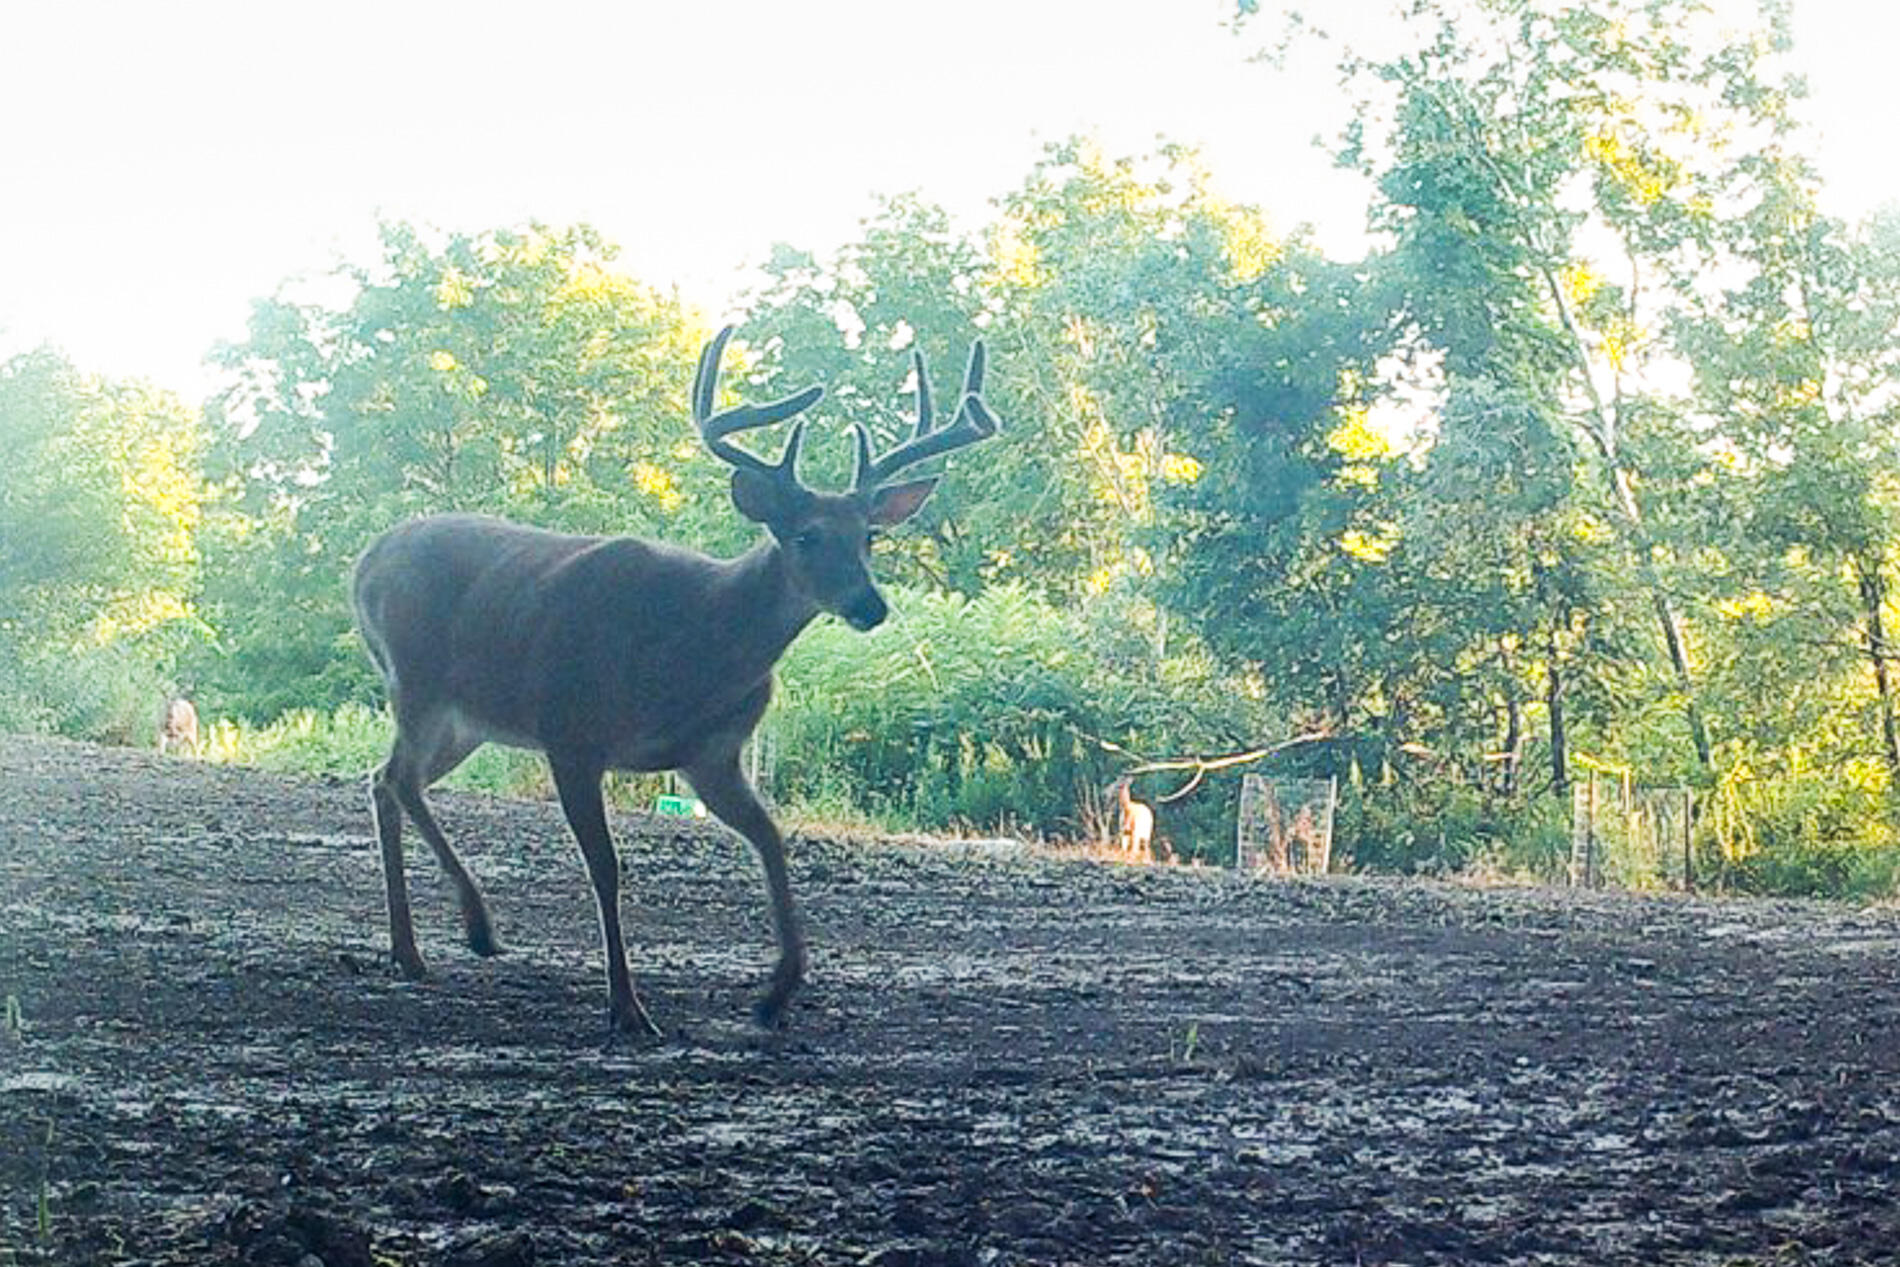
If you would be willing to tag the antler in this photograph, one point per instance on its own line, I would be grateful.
(715, 427)
(973, 422)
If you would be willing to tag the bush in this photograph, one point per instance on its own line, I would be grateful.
(982, 712)
(351, 740)
(107, 694)
(354, 740)
(1448, 829)
(1805, 834)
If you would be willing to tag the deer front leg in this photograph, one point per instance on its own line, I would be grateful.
(578, 783)
(723, 787)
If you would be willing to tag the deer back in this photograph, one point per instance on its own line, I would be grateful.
(626, 648)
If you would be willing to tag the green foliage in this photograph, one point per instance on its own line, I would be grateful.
(910, 284)
(100, 497)
(1578, 559)
(110, 694)
(1534, 159)
(352, 740)
(955, 709)
(1275, 549)
(513, 372)
(1805, 834)
(977, 712)
(1446, 829)
(1801, 364)
(1451, 507)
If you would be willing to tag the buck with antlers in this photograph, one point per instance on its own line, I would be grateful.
(619, 653)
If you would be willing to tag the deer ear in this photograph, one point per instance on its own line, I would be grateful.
(893, 505)
(762, 498)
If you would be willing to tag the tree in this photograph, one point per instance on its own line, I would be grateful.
(910, 283)
(1117, 277)
(1797, 367)
(514, 372)
(1535, 148)
(1092, 291)
(100, 503)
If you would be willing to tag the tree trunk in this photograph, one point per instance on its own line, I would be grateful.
(1679, 661)
(1554, 702)
(1602, 429)
(1513, 724)
(1873, 598)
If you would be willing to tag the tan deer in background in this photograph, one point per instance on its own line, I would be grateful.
(178, 726)
(619, 653)
(1137, 825)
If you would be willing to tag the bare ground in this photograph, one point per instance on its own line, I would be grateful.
(1002, 1058)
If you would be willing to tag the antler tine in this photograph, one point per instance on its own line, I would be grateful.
(706, 378)
(925, 423)
(715, 427)
(973, 422)
(926, 420)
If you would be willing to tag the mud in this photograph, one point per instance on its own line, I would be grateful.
(1002, 1057)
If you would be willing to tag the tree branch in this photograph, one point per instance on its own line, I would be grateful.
(1198, 767)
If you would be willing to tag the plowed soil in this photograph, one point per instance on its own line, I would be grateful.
(1002, 1057)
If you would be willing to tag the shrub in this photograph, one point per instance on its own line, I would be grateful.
(1806, 833)
(968, 712)
(1446, 829)
(107, 694)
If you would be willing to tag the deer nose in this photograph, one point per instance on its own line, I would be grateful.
(866, 612)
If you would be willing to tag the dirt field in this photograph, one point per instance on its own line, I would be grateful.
(1001, 1058)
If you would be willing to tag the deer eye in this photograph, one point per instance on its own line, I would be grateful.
(806, 540)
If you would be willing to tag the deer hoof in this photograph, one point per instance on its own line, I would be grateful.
(769, 1012)
(631, 1020)
(481, 937)
(410, 963)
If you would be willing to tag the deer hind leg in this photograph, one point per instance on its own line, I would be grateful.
(578, 783)
(723, 787)
(396, 788)
(388, 814)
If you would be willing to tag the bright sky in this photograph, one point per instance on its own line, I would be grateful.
(162, 164)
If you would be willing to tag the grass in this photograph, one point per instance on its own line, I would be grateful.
(1855, 858)
(354, 740)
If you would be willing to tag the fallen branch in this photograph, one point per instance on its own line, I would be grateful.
(1201, 767)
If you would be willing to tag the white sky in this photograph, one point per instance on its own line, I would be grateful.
(164, 162)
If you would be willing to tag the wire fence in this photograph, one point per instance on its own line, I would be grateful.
(1286, 825)
(1631, 837)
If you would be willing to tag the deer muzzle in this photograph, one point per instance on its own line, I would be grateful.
(865, 612)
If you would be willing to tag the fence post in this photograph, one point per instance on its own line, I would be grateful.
(1326, 838)
(1688, 840)
(1590, 838)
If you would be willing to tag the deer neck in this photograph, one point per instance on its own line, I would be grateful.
(769, 605)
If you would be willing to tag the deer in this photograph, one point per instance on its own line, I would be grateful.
(178, 726)
(1137, 825)
(622, 653)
